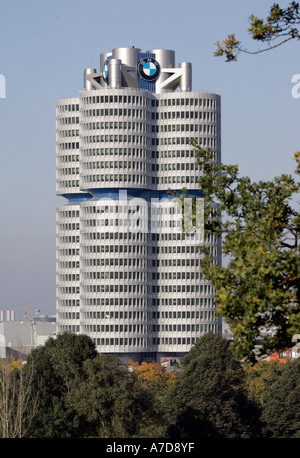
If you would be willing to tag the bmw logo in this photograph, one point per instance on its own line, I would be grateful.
(149, 69)
(105, 70)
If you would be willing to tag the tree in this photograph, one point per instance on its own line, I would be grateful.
(281, 402)
(278, 28)
(209, 397)
(15, 398)
(86, 394)
(258, 291)
(258, 377)
(153, 376)
(58, 369)
(265, 266)
(114, 402)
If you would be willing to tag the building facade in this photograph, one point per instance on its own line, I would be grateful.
(127, 274)
(18, 338)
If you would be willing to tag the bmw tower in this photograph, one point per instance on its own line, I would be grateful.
(127, 274)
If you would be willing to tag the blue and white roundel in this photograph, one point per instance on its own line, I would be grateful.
(105, 70)
(148, 69)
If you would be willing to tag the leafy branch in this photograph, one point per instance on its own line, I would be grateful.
(278, 28)
(258, 292)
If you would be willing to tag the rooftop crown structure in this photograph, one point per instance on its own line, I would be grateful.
(127, 273)
(129, 67)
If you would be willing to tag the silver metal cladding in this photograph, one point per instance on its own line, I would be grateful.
(87, 83)
(166, 59)
(115, 73)
(153, 70)
(185, 83)
(103, 58)
(128, 56)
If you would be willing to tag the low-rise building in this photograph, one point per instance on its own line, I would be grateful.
(18, 338)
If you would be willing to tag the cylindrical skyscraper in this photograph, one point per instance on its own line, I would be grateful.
(127, 275)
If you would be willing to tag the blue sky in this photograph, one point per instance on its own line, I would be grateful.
(44, 48)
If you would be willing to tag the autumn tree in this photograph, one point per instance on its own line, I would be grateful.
(279, 27)
(257, 292)
(18, 405)
(258, 378)
(153, 376)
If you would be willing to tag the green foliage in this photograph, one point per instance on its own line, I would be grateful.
(280, 22)
(85, 394)
(113, 401)
(258, 291)
(281, 402)
(278, 28)
(58, 369)
(209, 397)
(258, 378)
(93, 395)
